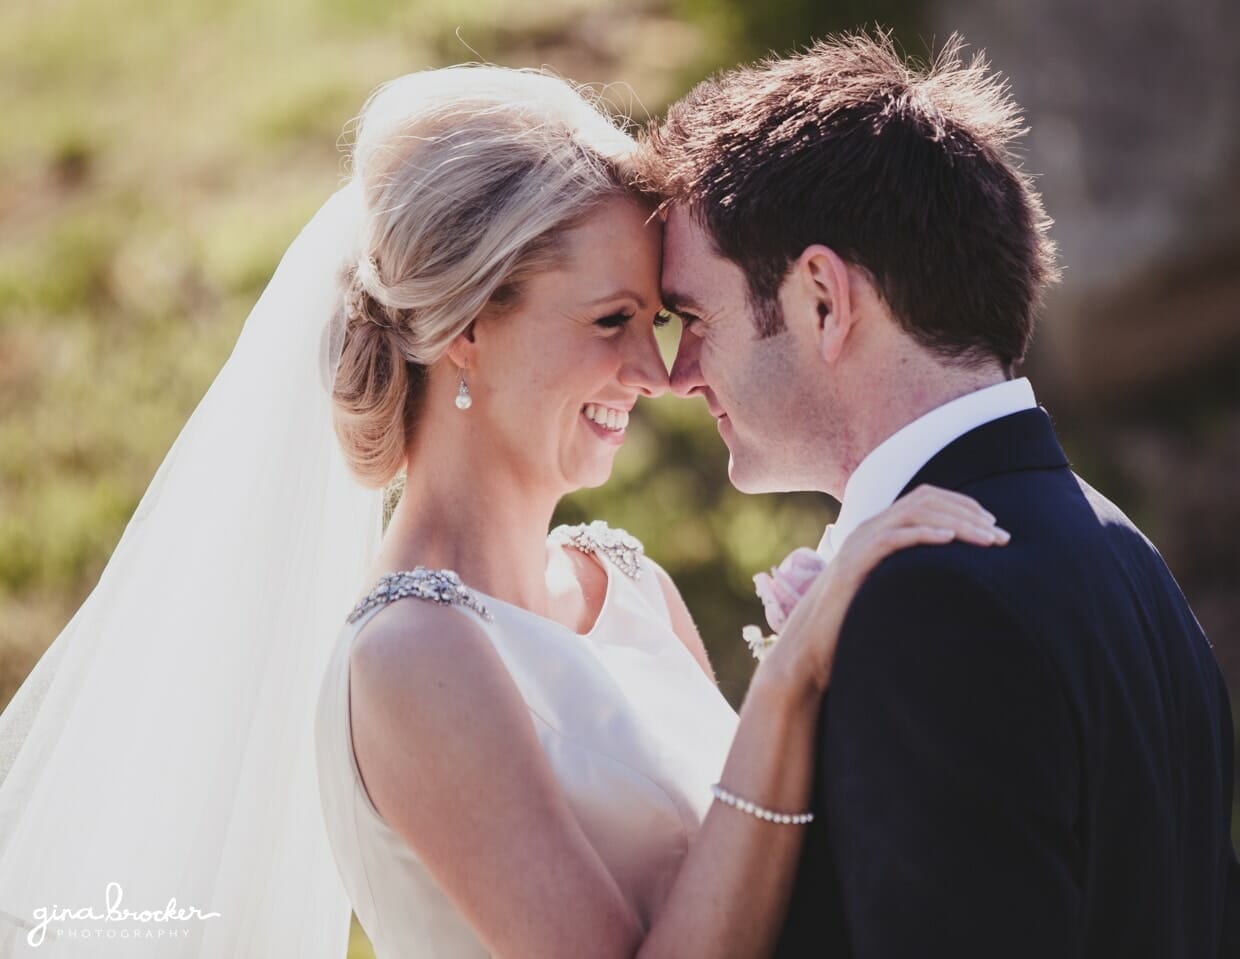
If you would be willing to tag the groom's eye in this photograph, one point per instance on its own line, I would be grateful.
(686, 319)
(663, 317)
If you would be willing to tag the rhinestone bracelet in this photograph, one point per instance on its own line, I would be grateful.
(744, 805)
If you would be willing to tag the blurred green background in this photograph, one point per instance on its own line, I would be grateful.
(156, 160)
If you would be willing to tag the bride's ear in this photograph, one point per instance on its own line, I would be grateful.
(825, 288)
(463, 350)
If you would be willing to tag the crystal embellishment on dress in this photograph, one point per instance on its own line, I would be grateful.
(441, 586)
(623, 550)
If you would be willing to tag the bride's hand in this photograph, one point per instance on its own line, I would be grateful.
(928, 515)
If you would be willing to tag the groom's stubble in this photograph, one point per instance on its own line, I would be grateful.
(778, 424)
(794, 444)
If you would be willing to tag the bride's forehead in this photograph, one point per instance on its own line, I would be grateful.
(617, 241)
(617, 218)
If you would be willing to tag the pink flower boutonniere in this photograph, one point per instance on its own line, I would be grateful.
(780, 591)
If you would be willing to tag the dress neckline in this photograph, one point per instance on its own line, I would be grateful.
(605, 546)
(603, 609)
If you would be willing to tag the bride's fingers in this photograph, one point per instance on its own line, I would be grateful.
(902, 537)
(938, 494)
(878, 542)
(970, 528)
(927, 516)
(946, 501)
(973, 526)
(948, 512)
(928, 506)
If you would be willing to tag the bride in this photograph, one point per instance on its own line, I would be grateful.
(514, 741)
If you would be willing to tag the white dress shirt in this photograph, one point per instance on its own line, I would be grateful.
(878, 480)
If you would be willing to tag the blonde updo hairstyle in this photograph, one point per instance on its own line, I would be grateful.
(470, 177)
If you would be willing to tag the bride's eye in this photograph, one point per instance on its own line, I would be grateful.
(614, 321)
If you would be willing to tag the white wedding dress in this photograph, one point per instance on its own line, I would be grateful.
(634, 730)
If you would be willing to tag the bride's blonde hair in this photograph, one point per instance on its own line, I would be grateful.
(470, 175)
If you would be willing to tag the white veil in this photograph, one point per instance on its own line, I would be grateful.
(164, 742)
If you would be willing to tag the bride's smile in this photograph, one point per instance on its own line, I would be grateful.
(555, 379)
(608, 422)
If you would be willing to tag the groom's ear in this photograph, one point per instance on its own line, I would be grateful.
(825, 291)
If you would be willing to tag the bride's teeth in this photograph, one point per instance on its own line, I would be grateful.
(615, 420)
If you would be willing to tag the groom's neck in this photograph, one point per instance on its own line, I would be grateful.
(897, 393)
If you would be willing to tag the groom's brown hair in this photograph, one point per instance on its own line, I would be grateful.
(902, 170)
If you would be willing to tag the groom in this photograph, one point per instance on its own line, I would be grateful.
(1024, 751)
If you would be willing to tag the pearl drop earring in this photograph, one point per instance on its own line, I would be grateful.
(463, 400)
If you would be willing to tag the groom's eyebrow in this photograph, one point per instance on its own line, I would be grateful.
(675, 301)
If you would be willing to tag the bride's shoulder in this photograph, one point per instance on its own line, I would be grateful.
(431, 701)
(425, 618)
(619, 547)
(412, 613)
(434, 587)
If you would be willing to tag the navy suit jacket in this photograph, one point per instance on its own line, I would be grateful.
(1025, 751)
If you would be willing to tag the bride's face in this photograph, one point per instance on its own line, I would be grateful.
(557, 378)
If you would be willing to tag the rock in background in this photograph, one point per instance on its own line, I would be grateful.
(1134, 115)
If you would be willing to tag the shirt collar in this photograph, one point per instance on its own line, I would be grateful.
(878, 479)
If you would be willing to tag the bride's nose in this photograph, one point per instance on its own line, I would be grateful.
(643, 368)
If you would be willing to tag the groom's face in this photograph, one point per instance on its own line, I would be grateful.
(753, 386)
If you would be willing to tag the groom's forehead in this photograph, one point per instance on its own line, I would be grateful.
(682, 226)
(694, 271)
(686, 245)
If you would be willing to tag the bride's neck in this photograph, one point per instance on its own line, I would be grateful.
(481, 524)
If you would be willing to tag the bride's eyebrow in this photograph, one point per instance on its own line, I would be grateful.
(624, 294)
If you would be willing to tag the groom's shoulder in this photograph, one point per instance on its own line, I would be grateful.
(1067, 541)
(940, 576)
(1066, 535)
(931, 601)
(932, 623)
(1052, 498)
(957, 593)
(1104, 511)
(1072, 580)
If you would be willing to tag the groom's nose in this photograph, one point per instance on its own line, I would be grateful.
(686, 375)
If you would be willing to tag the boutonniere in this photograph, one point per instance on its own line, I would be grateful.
(780, 590)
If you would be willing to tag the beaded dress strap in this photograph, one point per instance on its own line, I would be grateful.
(622, 549)
(442, 586)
